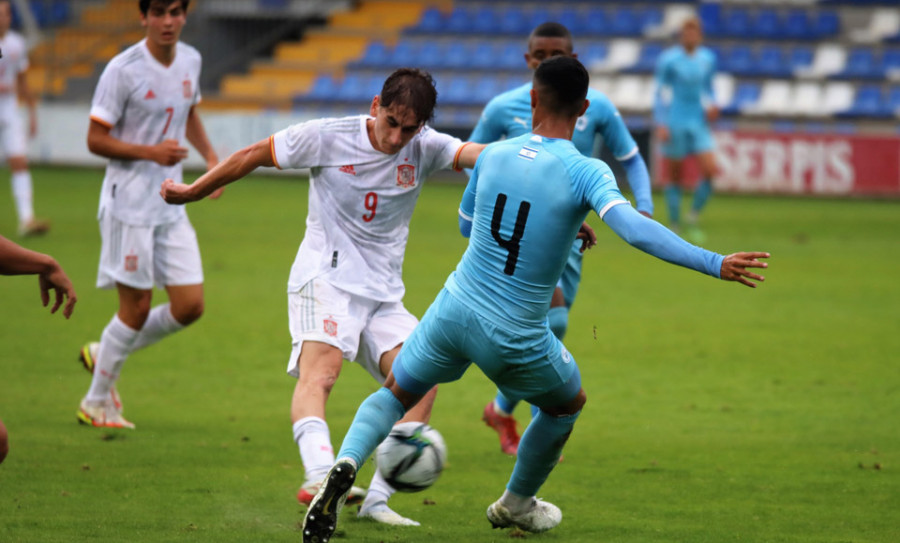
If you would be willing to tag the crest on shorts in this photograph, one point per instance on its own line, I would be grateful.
(330, 326)
(406, 175)
(131, 263)
(186, 86)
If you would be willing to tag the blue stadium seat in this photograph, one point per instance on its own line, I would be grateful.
(711, 18)
(484, 21)
(767, 24)
(736, 24)
(377, 55)
(571, 19)
(273, 4)
(511, 56)
(862, 64)
(485, 88)
(456, 90)
(738, 60)
(890, 60)
(431, 55)
(647, 59)
(513, 21)
(624, 22)
(800, 56)
(432, 22)
(405, 53)
(893, 101)
(596, 21)
(351, 88)
(485, 54)
(459, 54)
(324, 88)
(797, 26)
(867, 103)
(827, 24)
(539, 16)
(594, 51)
(652, 16)
(747, 93)
(771, 62)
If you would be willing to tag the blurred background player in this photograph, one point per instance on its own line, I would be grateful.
(13, 88)
(509, 115)
(528, 196)
(345, 292)
(16, 260)
(684, 107)
(143, 108)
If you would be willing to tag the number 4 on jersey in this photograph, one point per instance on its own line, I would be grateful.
(511, 244)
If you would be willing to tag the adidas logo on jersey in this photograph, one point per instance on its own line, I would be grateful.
(348, 169)
(150, 95)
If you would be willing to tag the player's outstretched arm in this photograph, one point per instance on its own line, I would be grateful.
(468, 155)
(657, 240)
(17, 260)
(196, 134)
(236, 166)
(734, 267)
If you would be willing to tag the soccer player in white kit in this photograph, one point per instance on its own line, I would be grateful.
(143, 108)
(345, 289)
(14, 87)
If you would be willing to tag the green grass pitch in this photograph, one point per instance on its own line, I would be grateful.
(715, 412)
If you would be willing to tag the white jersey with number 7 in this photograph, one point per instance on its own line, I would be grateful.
(144, 102)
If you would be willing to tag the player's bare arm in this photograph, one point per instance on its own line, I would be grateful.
(587, 236)
(17, 260)
(196, 134)
(236, 166)
(468, 154)
(734, 267)
(101, 142)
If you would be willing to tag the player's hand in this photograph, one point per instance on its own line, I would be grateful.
(646, 214)
(168, 153)
(587, 236)
(712, 113)
(57, 281)
(175, 193)
(734, 268)
(662, 133)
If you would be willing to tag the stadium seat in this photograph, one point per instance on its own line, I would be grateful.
(571, 19)
(432, 22)
(867, 103)
(623, 53)
(646, 62)
(893, 101)
(771, 62)
(672, 19)
(774, 99)
(459, 54)
(512, 55)
(738, 60)
(745, 96)
(862, 64)
(799, 57)
(513, 21)
(538, 16)
(882, 23)
(797, 26)
(485, 54)
(624, 22)
(827, 24)
(807, 100)
(736, 24)
(838, 97)
(767, 25)
(593, 52)
(405, 53)
(377, 55)
(431, 55)
(484, 21)
(596, 21)
(324, 88)
(829, 59)
(633, 93)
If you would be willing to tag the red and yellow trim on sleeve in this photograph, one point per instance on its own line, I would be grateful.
(457, 155)
(272, 151)
(98, 120)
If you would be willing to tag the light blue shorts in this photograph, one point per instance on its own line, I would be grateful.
(685, 140)
(528, 363)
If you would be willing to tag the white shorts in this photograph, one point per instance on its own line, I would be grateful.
(143, 256)
(12, 131)
(361, 328)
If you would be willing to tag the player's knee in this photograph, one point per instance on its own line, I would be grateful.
(576, 404)
(188, 312)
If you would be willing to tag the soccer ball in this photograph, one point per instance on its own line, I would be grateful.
(412, 456)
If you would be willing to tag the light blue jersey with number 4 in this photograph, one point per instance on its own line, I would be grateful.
(525, 216)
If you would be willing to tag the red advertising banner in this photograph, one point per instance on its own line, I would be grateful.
(820, 164)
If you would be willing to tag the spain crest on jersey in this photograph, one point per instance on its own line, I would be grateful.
(186, 86)
(330, 326)
(406, 175)
(131, 263)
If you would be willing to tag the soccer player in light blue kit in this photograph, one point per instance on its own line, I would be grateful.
(528, 197)
(683, 109)
(509, 115)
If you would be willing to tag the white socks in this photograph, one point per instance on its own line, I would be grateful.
(379, 491)
(115, 345)
(515, 503)
(22, 194)
(312, 437)
(159, 324)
